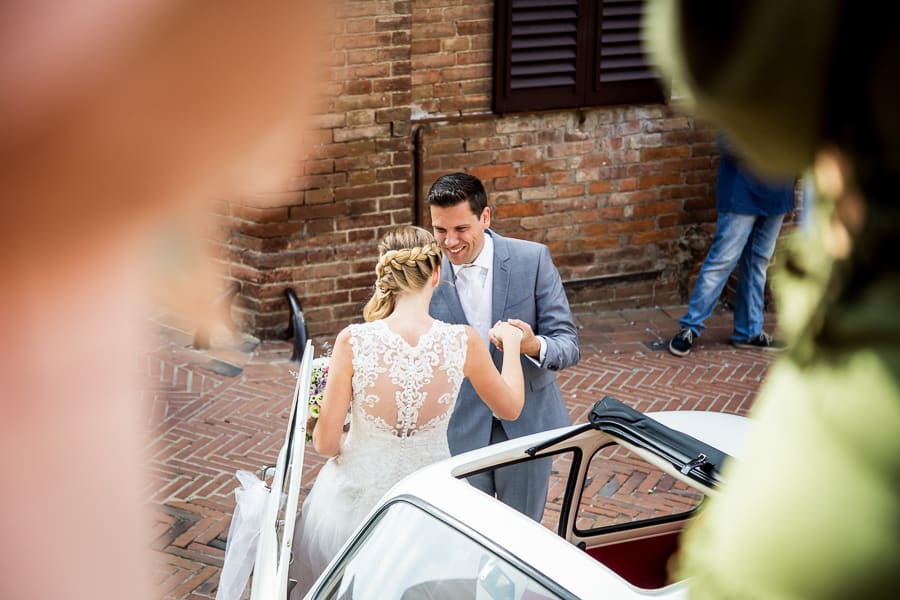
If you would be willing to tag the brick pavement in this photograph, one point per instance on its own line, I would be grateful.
(214, 412)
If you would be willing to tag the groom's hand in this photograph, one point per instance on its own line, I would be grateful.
(531, 346)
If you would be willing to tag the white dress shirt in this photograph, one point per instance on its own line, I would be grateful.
(474, 286)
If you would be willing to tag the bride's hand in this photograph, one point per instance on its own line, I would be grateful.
(502, 332)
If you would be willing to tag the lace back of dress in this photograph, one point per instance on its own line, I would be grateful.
(406, 389)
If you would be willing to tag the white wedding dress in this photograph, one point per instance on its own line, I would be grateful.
(403, 396)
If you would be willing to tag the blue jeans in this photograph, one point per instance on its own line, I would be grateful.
(747, 241)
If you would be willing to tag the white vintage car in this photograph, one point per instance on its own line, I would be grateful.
(623, 487)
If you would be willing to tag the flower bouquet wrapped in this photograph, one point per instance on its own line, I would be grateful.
(316, 392)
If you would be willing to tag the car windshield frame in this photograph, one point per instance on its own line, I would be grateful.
(325, 586)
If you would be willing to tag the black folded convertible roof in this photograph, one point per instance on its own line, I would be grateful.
(693, 458)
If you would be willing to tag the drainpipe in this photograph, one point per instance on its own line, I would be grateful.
(417, 208)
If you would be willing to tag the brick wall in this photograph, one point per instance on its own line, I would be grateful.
(609, 190)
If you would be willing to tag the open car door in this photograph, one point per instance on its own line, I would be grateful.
(273, 552)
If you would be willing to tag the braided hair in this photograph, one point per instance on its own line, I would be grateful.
(408, 256)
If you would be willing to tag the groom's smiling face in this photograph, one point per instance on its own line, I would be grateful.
(459, 231)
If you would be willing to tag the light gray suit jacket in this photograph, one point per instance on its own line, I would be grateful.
(526, 286)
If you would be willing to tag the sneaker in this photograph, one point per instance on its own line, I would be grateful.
(763, 341)
(680, 345)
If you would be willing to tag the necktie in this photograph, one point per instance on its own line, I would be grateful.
(470, 283)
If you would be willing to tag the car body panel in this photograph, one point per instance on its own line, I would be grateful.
(551, 557)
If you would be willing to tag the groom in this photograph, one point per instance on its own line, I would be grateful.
(486, 278)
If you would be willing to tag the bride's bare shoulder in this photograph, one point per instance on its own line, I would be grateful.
(343, 338)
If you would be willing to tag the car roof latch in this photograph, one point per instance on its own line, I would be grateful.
(695, 463)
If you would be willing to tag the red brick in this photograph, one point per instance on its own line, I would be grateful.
(432, 30)
(269, 230)
(261, 215)
(474, 58)
(511, 183)
(455, 44)
(687, 191)
(546, 221)
(572, 259)
(651, 154)
(445, 90)
(654, 181)
(392, 84)
(570, 191)
(671, 124)
(543, 167)
(700, 177)
(359, 133)
(518, 210)
(372, 40)
(522, 139)
(459, 73)
(607, 213)
(600, 187)
(632, 226)
(360, 26)
(600, 242)
(494, 172)
(698, 203)
(483, 26)
(653, 237)
(425, 46)
(364, 221)
(393, 23)
(702, 164)
(655, 208)
(594, 229)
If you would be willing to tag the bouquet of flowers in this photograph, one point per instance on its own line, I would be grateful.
(316, 392)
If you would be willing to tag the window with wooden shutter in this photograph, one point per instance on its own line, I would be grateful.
(569, 53)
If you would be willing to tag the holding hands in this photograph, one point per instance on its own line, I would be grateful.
(505, 332)
(529, 344)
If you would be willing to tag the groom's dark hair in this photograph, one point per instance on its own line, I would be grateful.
(453, 188)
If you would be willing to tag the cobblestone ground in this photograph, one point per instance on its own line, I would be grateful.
(214, 412)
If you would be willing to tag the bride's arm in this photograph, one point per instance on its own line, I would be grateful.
(503, 392)
(336, 400)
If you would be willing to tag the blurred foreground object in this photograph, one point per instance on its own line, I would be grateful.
(813, 509)
(117, 120)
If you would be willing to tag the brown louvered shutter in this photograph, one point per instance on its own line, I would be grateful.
(536, 56)
(569, 53)
(621, 72)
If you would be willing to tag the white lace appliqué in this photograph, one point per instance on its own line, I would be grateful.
(403, 396)
(406, 389)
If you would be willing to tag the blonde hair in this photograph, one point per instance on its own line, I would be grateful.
(408, 256)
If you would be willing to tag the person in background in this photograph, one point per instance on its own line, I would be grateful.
(812, 508)
(489, 278)
(118, 122)
(751, 209)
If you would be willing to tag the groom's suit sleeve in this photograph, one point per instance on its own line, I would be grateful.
(554, 317)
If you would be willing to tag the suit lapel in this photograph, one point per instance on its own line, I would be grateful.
(446, 293)
(500, 287)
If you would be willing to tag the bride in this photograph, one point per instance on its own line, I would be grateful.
(399, 374)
